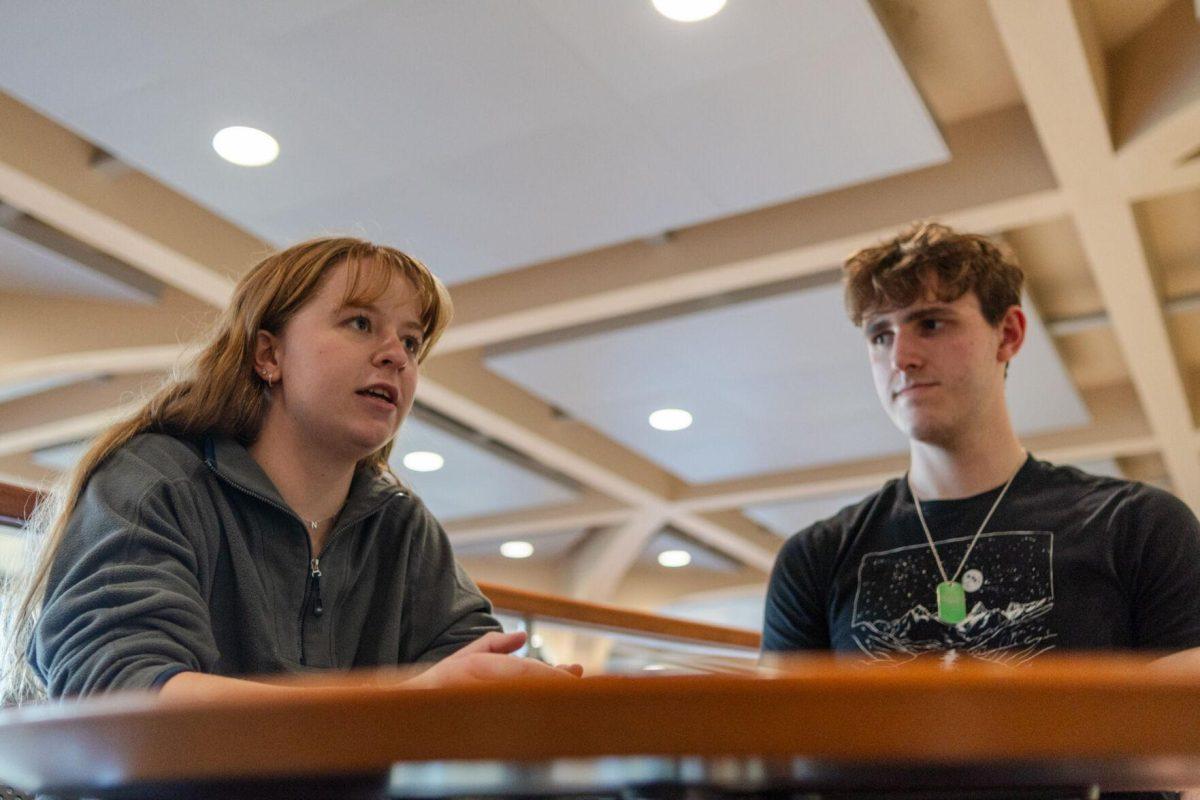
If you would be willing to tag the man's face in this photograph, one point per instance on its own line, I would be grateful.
(939, 367)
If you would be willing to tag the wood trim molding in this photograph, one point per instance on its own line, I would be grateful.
(601, 615)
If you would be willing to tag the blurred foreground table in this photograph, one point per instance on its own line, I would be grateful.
(1058, 727)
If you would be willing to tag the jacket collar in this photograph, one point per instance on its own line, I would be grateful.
(232, 462)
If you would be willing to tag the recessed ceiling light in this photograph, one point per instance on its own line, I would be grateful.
(654, 667)
(423, 461)
(670, 419)
(535, 641)
(516, 549)
(674, 558)
(688, 10)
(246, 147)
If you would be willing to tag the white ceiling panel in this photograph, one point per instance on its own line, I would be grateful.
(473, 481)
(481, 134)
(773, 383)
(29, 268)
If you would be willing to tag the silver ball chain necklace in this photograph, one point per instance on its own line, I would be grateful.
(951, 597)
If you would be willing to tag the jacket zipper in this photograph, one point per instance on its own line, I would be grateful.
(314, 562)
(315, 575)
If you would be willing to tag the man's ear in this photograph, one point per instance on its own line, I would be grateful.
(266, 362)
(1012, 333)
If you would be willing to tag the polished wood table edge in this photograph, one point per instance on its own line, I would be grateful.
(1084, 710)
(550, 607)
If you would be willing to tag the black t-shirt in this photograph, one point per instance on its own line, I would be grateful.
(1068, 561)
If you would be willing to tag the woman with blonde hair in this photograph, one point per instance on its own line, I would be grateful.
(245, 521)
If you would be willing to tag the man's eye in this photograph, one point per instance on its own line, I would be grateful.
(931, 324)
(881, 339)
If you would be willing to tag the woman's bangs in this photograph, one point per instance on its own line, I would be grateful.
(372, 274)
(369, 279)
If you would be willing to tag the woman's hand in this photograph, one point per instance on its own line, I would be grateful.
(488, 659)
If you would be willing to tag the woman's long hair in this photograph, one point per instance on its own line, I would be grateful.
(219, 392)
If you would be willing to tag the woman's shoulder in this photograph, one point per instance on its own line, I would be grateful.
(154, 457)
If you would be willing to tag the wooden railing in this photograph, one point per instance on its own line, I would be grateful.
(17, 504)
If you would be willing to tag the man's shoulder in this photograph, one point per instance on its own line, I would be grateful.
(1073, 479)
(1079, 488)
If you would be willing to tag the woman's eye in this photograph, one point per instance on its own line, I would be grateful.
(360, 323)
(412, 344)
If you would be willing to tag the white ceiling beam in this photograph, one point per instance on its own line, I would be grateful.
(1145, 185)
(1046, 45)
(593, 511)
(37, 330)
(93, 394)
(47, 172)
(459, 387)
(605, 558)
(114, 361)
(61, 431)
(775, 244)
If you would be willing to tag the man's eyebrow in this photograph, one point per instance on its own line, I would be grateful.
(925, 312)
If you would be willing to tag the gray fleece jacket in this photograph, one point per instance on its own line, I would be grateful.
(183, 556)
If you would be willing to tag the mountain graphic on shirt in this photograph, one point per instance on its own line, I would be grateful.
(989, 634)
(1010, 600)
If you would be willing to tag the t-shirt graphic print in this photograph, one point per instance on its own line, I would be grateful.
(1009, 585)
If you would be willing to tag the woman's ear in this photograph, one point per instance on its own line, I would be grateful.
(1012, 333)
(266, 363)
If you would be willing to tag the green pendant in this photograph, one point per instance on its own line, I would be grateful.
(952, 602)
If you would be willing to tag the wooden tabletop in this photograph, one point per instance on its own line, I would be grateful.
(1130, 719)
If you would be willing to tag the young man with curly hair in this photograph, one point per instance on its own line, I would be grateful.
(981, 550)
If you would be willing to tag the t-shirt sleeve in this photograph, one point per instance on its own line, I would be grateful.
(795, 617)
(1163, 550)
(447, 610)
(123, 605)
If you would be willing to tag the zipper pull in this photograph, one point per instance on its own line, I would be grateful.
(315, 574)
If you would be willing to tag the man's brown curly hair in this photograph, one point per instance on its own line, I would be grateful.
(931, 259)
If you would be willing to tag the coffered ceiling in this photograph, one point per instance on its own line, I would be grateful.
(632, 214)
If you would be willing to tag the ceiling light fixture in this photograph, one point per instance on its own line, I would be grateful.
(516, 549)
(674, 558)
(688, 10)
(246, 147)
(670, 419)
(423, 461)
